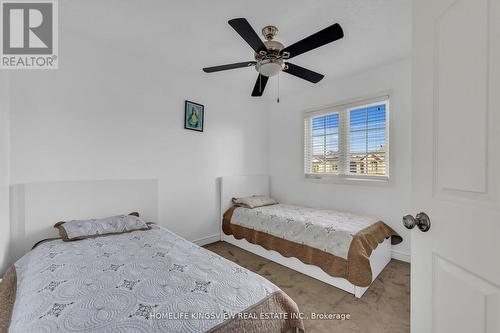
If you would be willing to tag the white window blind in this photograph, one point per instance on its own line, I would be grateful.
(348, 140)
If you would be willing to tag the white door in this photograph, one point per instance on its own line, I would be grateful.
(455, 279)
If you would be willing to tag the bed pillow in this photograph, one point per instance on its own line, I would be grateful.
(81, 229)
(254, 201)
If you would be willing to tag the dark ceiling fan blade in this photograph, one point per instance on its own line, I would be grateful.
(303, 73)
(245, 30)
(325, 36)
(229, 66)
(260, 85)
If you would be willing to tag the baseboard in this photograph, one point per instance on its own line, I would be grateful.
(399, 255)
(207, 240)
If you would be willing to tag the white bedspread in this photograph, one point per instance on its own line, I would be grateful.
(328, 230)
(112, 284)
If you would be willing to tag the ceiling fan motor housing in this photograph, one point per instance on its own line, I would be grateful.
(271, 62)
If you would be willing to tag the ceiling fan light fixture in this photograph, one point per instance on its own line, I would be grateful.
(270, 67)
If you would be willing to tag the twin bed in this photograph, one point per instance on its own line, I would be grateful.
(145, 280)
(140, 281)
(345, 250)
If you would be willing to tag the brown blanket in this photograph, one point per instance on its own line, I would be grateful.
(8, 288)
(279, 304)
(356, 269)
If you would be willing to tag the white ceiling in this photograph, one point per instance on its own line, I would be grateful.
(182, 37)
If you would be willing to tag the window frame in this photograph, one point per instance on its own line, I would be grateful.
(343, 109)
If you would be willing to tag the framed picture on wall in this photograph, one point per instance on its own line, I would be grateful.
(194, 115)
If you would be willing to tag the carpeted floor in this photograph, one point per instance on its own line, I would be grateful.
(385, 307)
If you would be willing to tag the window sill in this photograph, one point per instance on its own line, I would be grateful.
(344, 179)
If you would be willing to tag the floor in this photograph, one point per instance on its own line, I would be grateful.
(385, 307)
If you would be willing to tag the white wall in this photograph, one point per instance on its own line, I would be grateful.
(4, 171)
(109, 114)
(389, 201)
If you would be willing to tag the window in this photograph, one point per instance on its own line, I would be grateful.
(349, 140)
(325, 143)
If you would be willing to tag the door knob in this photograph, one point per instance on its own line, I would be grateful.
(422, 221)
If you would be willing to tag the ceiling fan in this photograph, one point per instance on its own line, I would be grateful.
(270, 55)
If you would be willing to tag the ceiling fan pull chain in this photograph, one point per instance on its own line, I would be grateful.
(278, 100)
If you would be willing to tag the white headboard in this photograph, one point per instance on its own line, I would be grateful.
(36, 207)
(241, 186)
